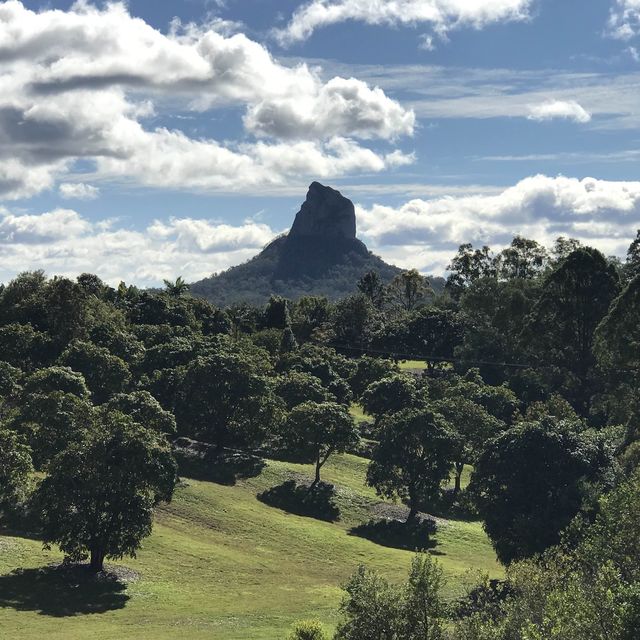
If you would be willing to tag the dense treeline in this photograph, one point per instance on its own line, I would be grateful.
(531, 378)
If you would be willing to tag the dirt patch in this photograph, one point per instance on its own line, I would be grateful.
(399, 512)
(111, 573)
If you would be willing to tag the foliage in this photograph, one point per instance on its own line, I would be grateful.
(390, 395)
(372, 609)
(15, 469)
(322, 429)
(105, 374)
(307, 630)
(526, 504)
(415, 454)
(99, 494)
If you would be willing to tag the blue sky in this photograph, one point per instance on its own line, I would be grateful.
(157, 139)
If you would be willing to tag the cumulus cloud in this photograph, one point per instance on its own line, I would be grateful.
(84, 83)
(426, 233)
(63, 242)
(624, 21)
(78, 191)
(559, 109)
(440, 15)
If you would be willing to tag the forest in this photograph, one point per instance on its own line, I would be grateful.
(511, 397)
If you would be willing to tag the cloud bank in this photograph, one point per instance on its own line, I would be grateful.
(422, 233)
(87, 84)
(440, 15)
(426, 233)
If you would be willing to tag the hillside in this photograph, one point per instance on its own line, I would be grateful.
(221, 564)
(320, 256)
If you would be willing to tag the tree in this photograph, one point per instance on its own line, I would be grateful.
(389, 395)
(468, 266)
(225, 397)
(288, 342)
(372, 287)
(370, 370)
(66, 309)
(409, 290)
(524, 259)
(423, 611)
(24, 347)
(564, 247)
(50, 422)
(529, 483)
(474, 426)
(105, 374)
(575, 298)
(415, 454)
(276, 313)
(322, 429)
(54, 380)
(370, 609)
(632, 265)
(354, 321)
(144, 409)
(15, 469)
(176, 289)
(296, 387)
(99, 494)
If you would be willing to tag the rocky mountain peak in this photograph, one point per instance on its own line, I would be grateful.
(325, 213)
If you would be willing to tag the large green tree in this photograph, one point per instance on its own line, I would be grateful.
(575, 298)
(226, 398)
(414, 456)
(530, 482)
(322, 429)
(98, 497)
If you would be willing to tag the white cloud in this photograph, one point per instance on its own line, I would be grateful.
(82, 84)
(422, 233)
(555, 109)
(426, 233)
(624, 21)
(440, 15)
(63, 242)
(78, 191)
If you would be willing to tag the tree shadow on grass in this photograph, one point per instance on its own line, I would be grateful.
(222, 467)
(412, 536)
(62, 591)
(301, 500)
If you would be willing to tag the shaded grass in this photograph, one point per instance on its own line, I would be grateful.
(221, 564)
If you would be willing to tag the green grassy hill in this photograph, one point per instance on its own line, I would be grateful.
(221, 564)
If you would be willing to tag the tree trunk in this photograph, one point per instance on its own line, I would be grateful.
(97, 561)
(413, 508)
(413, 513)
(457, 486)
(317, 478)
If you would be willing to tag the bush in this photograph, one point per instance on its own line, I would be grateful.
(307, 630)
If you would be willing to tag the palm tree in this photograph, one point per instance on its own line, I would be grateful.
(177, 288)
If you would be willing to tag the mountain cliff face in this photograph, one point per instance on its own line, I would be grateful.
(319, 256)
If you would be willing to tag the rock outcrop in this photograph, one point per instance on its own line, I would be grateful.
(325, 213)
(319, 256)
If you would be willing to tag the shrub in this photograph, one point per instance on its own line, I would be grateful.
(307, 630)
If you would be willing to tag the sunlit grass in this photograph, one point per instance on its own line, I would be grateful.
(220, 564)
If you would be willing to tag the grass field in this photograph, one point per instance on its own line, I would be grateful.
(412, 365)
(221, 564)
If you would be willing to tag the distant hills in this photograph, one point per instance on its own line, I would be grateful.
(319, 256)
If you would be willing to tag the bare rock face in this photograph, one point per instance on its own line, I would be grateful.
(325, 213)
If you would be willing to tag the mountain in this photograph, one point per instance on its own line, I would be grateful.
(319, 256)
